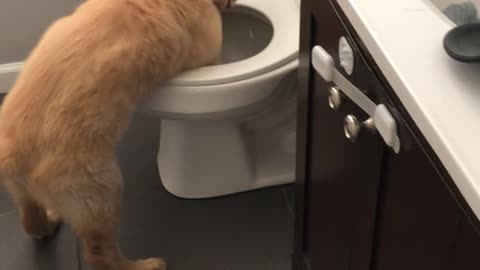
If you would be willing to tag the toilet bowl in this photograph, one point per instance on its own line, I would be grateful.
(231, 127)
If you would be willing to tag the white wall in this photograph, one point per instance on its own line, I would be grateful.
(22, 22)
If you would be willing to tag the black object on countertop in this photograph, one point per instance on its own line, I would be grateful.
(462, 43)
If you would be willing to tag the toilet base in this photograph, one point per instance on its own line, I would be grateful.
(202, 159)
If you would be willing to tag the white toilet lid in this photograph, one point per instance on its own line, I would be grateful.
(283, 48)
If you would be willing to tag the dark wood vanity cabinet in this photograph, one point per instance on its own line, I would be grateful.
(359, 205)
(419, 221)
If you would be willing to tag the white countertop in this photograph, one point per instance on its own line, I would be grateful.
(405, 38)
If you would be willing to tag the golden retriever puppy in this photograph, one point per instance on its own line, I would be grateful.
(72, 101)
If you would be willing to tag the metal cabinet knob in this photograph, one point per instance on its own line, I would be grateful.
(335, 98)
(352, 127)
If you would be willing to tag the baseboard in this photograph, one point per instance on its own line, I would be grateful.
(8, 75)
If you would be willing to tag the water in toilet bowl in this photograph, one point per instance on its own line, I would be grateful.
(249, 33)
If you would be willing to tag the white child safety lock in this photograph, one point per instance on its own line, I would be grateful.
(383, 121)
(346, 56)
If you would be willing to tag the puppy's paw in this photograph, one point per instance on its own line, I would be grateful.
(53, 217)
(149, 264)
(50, 227)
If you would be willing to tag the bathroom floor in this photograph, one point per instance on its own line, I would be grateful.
(252, 230)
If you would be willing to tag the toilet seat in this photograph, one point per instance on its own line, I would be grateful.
(214, 102)
(282, 49)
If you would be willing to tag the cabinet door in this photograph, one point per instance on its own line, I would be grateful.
(341, 178)
(342, 182)
(420, 223)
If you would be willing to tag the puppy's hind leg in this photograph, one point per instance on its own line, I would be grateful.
(92, 207)
(38, 222)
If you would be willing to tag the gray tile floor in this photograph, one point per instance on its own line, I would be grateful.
(248, 231)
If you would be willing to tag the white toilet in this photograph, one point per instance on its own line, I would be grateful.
(231, 127)
(226, 128)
